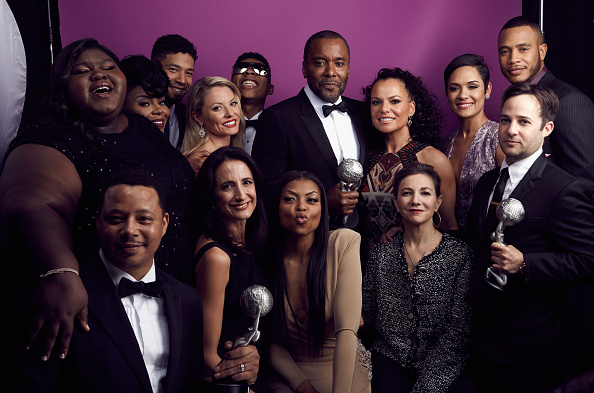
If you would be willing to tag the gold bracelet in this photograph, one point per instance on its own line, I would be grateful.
(57, 271)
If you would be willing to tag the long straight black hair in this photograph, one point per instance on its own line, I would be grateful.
(316, 268)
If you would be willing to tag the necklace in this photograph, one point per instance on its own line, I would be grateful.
(406, 251)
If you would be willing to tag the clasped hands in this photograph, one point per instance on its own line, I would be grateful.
(508, 259)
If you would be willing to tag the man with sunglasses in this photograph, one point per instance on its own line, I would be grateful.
(315, 130)
(251, 75)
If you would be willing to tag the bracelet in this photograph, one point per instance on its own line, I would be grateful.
(523, 268)
(59, 270)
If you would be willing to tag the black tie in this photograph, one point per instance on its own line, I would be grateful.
(329, 108)
(492, 220)
(127, 288)
(251, 123)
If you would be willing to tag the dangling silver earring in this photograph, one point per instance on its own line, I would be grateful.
(410, 120)
(201, 132)
(438, 216)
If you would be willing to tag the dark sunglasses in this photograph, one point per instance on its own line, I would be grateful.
(243, 66)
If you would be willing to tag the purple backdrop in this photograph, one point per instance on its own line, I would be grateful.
(422, 36)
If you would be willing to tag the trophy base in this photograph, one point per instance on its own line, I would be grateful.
(231, 387)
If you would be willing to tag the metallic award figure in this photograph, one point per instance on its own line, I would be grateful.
(350, 173)
(509, 213)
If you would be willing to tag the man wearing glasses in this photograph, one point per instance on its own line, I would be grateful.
(251, 75)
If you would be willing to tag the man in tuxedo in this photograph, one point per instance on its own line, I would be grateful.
(315, 130)
(522, 331)
(521, 57)
(177, 55)
(252, 76)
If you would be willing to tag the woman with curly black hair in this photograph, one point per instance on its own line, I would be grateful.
(407, 118)
(147, 84)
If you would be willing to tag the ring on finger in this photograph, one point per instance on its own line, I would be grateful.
(242, 367)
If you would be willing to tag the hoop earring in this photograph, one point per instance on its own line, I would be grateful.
(201, 132)
(410, 120)
(439, 216)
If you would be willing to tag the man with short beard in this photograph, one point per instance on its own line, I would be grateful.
(521, 57)
(315, 130)
(177, 55)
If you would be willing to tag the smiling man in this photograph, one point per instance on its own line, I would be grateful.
(252, 76)
(177, 56)
(522, 52)
(551, 249)
(315, 130)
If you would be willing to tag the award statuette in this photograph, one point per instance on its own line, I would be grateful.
(350, 173)
(256, 301)
(509, 213)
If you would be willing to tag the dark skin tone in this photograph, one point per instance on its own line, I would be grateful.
(38, 200)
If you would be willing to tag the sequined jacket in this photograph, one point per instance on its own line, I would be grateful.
(423, 322)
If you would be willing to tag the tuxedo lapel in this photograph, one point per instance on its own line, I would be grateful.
(484, 194)
(314, 127)
(172, 299)
(107, 311)
(359, 127)
(527, 182)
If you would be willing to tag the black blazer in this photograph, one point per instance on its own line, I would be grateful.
(108, 358)
(180, 112)
(571, 144)
(528, 325)
(291, 136)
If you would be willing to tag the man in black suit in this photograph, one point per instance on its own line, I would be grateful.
(522, 332)
(300, 134)
(521, 57)
(177, 55)
(253, 78)
(145, 326)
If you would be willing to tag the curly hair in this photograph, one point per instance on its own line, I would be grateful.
(172, 44)
(196, 97)
(149, 75)
(426, 122)
(57, 97)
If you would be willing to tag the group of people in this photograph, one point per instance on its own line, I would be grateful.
(132, 234)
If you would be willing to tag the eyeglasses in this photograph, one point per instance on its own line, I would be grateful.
(243, 66)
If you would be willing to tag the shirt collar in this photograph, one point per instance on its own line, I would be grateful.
(116, 273)
(518, 169)
(317, 102)
(256, 116)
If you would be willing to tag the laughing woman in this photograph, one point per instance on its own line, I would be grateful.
(214, 119)
(147, 85)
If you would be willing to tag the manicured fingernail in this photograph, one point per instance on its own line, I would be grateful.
(27, 348)
(62, 356)
(217, 369)
(44, 358)
(216, 375)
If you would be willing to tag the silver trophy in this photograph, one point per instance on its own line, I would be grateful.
(350, 173)
(256, 301)
(509, 213)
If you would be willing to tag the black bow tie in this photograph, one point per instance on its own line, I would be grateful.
(251, 123)
(329, 108)
(127, 288)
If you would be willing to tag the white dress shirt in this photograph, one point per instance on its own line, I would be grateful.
(517, 171)
(149, 322)
(338, 126)
(250, 134)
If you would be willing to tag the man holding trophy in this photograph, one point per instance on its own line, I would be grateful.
(519, 300)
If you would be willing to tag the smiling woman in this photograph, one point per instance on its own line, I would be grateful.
(52, 178)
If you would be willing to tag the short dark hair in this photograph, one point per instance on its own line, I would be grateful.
(426, 122)
(60, 73)
(134, 177)
(520, 21)
(207, 217)
(257, 56)
(417, 168)
(324, 35)
(468, 60)
(148, 74)
(547, 99)
(316, 269)
(171, 44)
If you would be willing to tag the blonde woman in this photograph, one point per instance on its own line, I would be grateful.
(214, 119)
